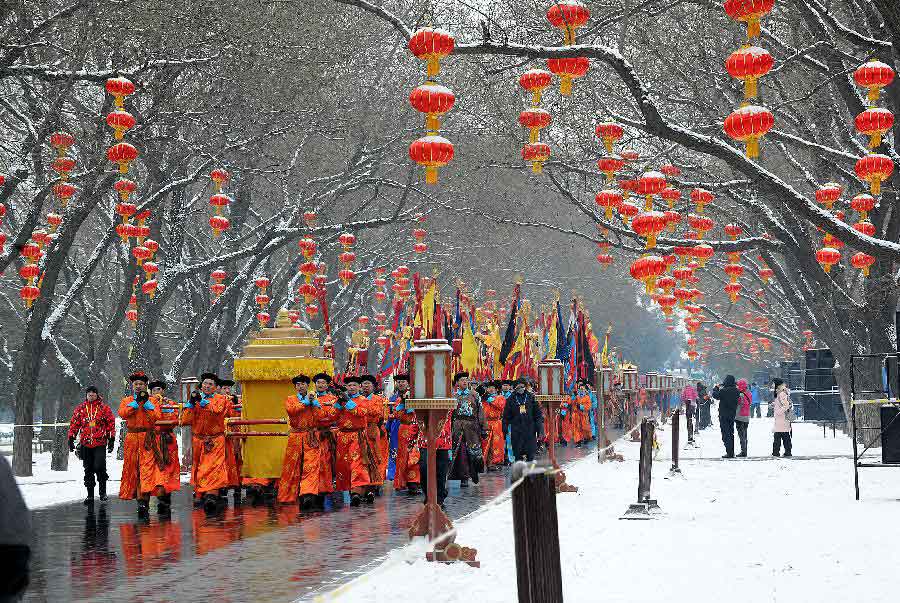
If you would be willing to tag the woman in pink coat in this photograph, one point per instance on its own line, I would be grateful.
(742, 415)
(782, 428)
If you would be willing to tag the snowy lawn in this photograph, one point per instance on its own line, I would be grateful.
(46, 487)
(757, 530)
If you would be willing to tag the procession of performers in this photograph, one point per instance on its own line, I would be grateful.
(343, 438)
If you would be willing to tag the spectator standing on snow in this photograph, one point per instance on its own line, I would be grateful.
(727, 394)
(689, 398)
(782, 412)
(742, 417)
(755, 401)
(703, 403)
(93, 420)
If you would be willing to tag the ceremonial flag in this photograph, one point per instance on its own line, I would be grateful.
(604, 355)
(469, 355)
(509, 337)
(427, 311)
(552, 335)
(562, 342)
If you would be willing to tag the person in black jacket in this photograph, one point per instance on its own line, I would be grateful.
(727, 394)
(523, 416)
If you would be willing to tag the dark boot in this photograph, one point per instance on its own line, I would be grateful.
(236, 495)
(254, 495)
(90, 497)
(102, 486)
(463, 483)
(210, 503)
(164, 504)
(306, 502)
(355, 499)
(412, 489)
(370, 497)
(319, 501)
(143, 508)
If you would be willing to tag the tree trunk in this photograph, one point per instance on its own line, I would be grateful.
(68, 397)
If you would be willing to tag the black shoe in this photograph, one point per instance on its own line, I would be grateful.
(355, 500)
(162, 508)
(743, 454)
(727, 456)
(412, 490)
(563, 443)
(102, 488)
(370, 497)
(89, 501)
(463, 483)
(776, 454)
(378, 490)
(578, 445)
(255, 496)
(319, 501)
(236, 495)
(143, 508)
(788, 455)
(210, 503)
(307, 502)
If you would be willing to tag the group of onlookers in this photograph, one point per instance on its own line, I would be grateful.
(738, 402)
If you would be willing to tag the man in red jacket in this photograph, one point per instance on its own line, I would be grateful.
(94, 420)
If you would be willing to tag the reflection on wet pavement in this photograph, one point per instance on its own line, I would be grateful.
(248, 553)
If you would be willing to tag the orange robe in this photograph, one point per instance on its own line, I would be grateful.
(140, 476)
(406, 470)
(327, 442)
(493, 447)
(353, 461)
(300, 469)
(374, 421)
(566, 430)
(232, 447)
(384, 442)
(209, 471)
(170, 471)
(582, 418)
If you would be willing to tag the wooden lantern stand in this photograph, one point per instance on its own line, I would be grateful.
(430, 388)
(552, 404)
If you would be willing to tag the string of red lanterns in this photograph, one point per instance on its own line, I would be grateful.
(431, 151)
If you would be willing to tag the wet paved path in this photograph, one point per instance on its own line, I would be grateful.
(248, 553)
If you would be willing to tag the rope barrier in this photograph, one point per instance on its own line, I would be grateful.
(43, 425)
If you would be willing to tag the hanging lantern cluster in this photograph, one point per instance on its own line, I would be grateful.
(873, 168)
(568, 16)
(400, 274)
(2, 214)
(122, 153)
(131, 314)
(31, 253)
(347, 257)
(217, 287)
(63, 165)
(750, 122)
(431, 151)
(145, 253)
(219, 201)
(419, 232)
(262, 300)
(535, 119)
(380, 284)
(309, 267)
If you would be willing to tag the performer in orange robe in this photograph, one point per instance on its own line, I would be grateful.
(406, 469)
(353, 463)
(139, 474)
(494, 445)
(205, 412)
(581, 407)
(327, 436)
(300, 469)
(375, 405)
(166, 453)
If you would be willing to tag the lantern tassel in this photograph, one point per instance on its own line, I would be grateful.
(875, 184)
(537, 167)
(874, 93)
(608, 143)
(648, 204)
(565, 85)
(535, 135)
(865, 271)
(431, 174)
(651, 241)
(753, 147)
(536, 98)
(875, 140)
(670, 226)
(609, 210)
(753, 27)
(432, 122)
(750, 88)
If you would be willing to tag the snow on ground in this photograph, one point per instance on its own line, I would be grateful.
(759, 529)
(47, 487)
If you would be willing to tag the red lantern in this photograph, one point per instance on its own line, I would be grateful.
(308, 269)
(610, 133)
(62, 166)
(121, 122)
(831, 241)
(402, 270)
(346, 276)
(874, 123)
(150, 268)
(262, 300)
(828, 193)
(219, 200)
(2, 241)
(537, 153)
(31, 252)
(748, 124)
(120, 87)
(125, 188)
(765, 274)
(149, 288)
(217, 289)
(647, 269)
(431, 152)
(219, 176)
(62, 142)
(609, 200)
(749, 63)
(262, 283)
(604, 259)
(609, 165)
(319, 281)
(749, 12)
(666, 283)
(862, 262)
(670, 195)
(307, 247)
(219, 224)
(122, 154)
(628, 211)
(650, 184)
(419, 234)
(347, 257)
(141, 253)
(648, 225)
(263, 318)
(294, 315)
(534, 119)
(733, 290)
(702, 253)
(865, 227)
(380, 282)
(420, 248)
(568, 69)
(218, 275)
(568, 16)
(702, 224)
(312, 310)
(310, 218)
(671, 171)
(535, 81)
(734, 271)
(630, 155)
(874, 169)
(863, 203)
(701, 197)
(380, 296)
(347, 240)
(29, 293)
(873, 75)
(54, 220)
(431, 45)
(433, 100)
(828, 257)
(733, 231)
(29, 272)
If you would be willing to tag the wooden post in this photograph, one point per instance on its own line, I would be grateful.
(536, 533)
(676, 427)
(645, 465)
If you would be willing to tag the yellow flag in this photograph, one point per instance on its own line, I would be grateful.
(427, 310)
(469, 355)
(551, 340)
